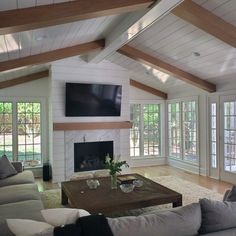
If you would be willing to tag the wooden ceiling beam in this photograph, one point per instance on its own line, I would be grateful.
(167, 68)
(12, 21)
(148, 89)
(52, 55)
(24, 79)
(132, 25)
(207, 21)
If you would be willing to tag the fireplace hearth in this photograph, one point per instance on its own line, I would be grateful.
(91, 155)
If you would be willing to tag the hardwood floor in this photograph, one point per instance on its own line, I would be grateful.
(155, 171)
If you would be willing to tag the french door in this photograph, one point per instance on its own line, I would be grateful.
(222, 136)
(228, 138)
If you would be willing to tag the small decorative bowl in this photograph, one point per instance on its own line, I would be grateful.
(127, 188)
(92, 183)
(138, 183)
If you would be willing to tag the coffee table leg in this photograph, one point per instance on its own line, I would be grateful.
(177, 203)
(64, 198)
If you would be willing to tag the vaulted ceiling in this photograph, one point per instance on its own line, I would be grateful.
(162, 43)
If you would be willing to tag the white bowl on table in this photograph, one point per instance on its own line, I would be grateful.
(127, 188)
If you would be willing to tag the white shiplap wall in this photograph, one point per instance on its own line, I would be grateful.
(76, 70)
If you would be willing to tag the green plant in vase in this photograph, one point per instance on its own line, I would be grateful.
(114, 167)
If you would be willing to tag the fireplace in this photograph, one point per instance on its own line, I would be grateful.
(91, 155)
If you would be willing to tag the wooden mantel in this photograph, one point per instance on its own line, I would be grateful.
(92, 125)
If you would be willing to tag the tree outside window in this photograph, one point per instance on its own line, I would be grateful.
(145, 134)
(26, 134)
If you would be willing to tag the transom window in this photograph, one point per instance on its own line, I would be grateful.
(20, 132)
(182, 130)
(145, 135)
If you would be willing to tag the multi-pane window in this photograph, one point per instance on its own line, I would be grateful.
(145, 135)
(6, 129)
(189, 130)
(182, 130)
(135, 131)
(230, 136)
(174, 129)
(20, 132)
(29, 133)
(213, 152)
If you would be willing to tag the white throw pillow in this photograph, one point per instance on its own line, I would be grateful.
(62, 216)
(23, 227)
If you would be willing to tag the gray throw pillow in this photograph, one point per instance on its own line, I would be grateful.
(231, 196)
(183, 221)
(6, 168)
(217, 216)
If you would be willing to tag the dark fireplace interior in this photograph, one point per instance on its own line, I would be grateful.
(91, 155)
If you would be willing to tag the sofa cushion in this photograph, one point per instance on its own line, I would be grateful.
(19, 192)
(21, 178)
(25, 227)
(6, 168)
(63, 216)
(227, 232)
(18, 166)
(180, 221)
(217, 216)
(20, 210)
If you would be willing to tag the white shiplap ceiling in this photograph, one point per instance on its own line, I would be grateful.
(22, 44)
(171, 39)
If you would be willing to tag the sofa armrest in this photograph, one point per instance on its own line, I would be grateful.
(18, 166)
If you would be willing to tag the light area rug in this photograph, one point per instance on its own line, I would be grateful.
(191, 193)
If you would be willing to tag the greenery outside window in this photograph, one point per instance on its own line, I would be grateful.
(135, 130)
(182, 130)
(29, 133)
(6, 134)
(174, 125)
(145, 135)
(20, 132)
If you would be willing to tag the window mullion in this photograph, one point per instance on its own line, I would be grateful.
(181, 131)
(141, 130)
(14, 132)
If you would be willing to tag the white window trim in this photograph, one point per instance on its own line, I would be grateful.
(180, 100)
(163, 129)
(44, 138)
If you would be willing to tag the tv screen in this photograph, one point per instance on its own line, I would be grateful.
(93, 99)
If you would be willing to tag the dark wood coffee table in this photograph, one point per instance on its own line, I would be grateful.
(106, 200)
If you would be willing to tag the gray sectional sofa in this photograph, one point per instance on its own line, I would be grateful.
(19, 198)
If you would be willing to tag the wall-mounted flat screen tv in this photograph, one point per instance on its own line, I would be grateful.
(93, 99)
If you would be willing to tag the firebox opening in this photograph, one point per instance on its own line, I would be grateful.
(91, 155)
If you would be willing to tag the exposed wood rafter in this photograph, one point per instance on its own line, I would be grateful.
(131, 26)
(207, 21)
(167, 68)
(52, 55)
(24, 79)
(148, 89)
(47, 15)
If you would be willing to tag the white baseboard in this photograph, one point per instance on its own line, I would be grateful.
(186, 166)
